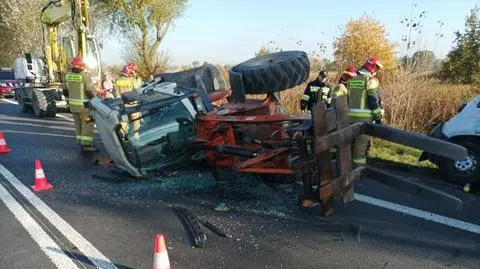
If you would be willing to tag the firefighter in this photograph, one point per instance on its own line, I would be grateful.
(107, 86)
(364, 105)
(80, 92)
(127, 83)
(315, 91)
(137, 82)
(123, 84)
(341, 88)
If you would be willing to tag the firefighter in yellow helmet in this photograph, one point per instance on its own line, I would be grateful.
(364, 105)
(123, 84)
(80, 91)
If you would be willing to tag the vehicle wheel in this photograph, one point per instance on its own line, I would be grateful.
(465, 171)
(271, 73)
(39, 104)
(51, 97)
(18, 96)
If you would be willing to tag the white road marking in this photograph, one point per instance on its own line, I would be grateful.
(34, 120)
(65, 117)
(95, 256)
(36, 133)
(10, 101)
(45, 242)
(451, 222)
(36, 125)
(58, 115)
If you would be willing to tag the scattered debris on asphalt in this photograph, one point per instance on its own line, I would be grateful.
(192, 224)
(215, 229)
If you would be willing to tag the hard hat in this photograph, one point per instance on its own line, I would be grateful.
(77, 62)
(126, 70)
(373, 64)
(350, 71)
(132, 66)
(323, 74)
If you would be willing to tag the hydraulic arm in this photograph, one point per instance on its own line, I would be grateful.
(64, 40)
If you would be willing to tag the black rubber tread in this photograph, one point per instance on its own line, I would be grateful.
(19, 92)
(193, 226)
(449, 172)
(51, 97)
(207, 73)
(272, 73)
(39, 103)
(222, 83)
(44, 103)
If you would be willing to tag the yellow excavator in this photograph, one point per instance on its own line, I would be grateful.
(66, 34)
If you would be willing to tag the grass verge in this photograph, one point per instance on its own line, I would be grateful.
(400, 154)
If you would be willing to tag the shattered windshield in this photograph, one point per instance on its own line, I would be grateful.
(158, 137)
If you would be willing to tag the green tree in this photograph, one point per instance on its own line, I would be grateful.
(421, 61)
(144, 24)
(361, 39)
(20, 29)
(463, 62)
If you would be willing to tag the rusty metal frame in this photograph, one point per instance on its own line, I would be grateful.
(330, 129)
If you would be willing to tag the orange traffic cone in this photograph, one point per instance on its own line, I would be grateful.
(41, 183)
(3, 145)
(160, 257)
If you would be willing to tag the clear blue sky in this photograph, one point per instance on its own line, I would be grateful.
(231, 31)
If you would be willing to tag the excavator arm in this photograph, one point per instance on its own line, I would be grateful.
(66, 34)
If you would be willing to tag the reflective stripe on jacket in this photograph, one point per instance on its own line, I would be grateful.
(123, 84)
(77, 93)
(363, 98)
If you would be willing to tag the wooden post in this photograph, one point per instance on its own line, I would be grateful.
(344, 149)
(306, 175)
(320, 128)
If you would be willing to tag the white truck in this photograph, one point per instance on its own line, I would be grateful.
(462, 129)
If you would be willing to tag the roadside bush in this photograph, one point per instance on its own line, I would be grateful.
(411, 103)
(415, 103)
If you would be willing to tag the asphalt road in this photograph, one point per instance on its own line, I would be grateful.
(110, 222)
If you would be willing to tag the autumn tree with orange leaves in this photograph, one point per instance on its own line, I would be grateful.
(361, 39)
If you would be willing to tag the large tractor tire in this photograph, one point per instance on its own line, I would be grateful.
(270, 73)
(44, 104)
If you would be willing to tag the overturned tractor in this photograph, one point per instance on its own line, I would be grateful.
(172, 121)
